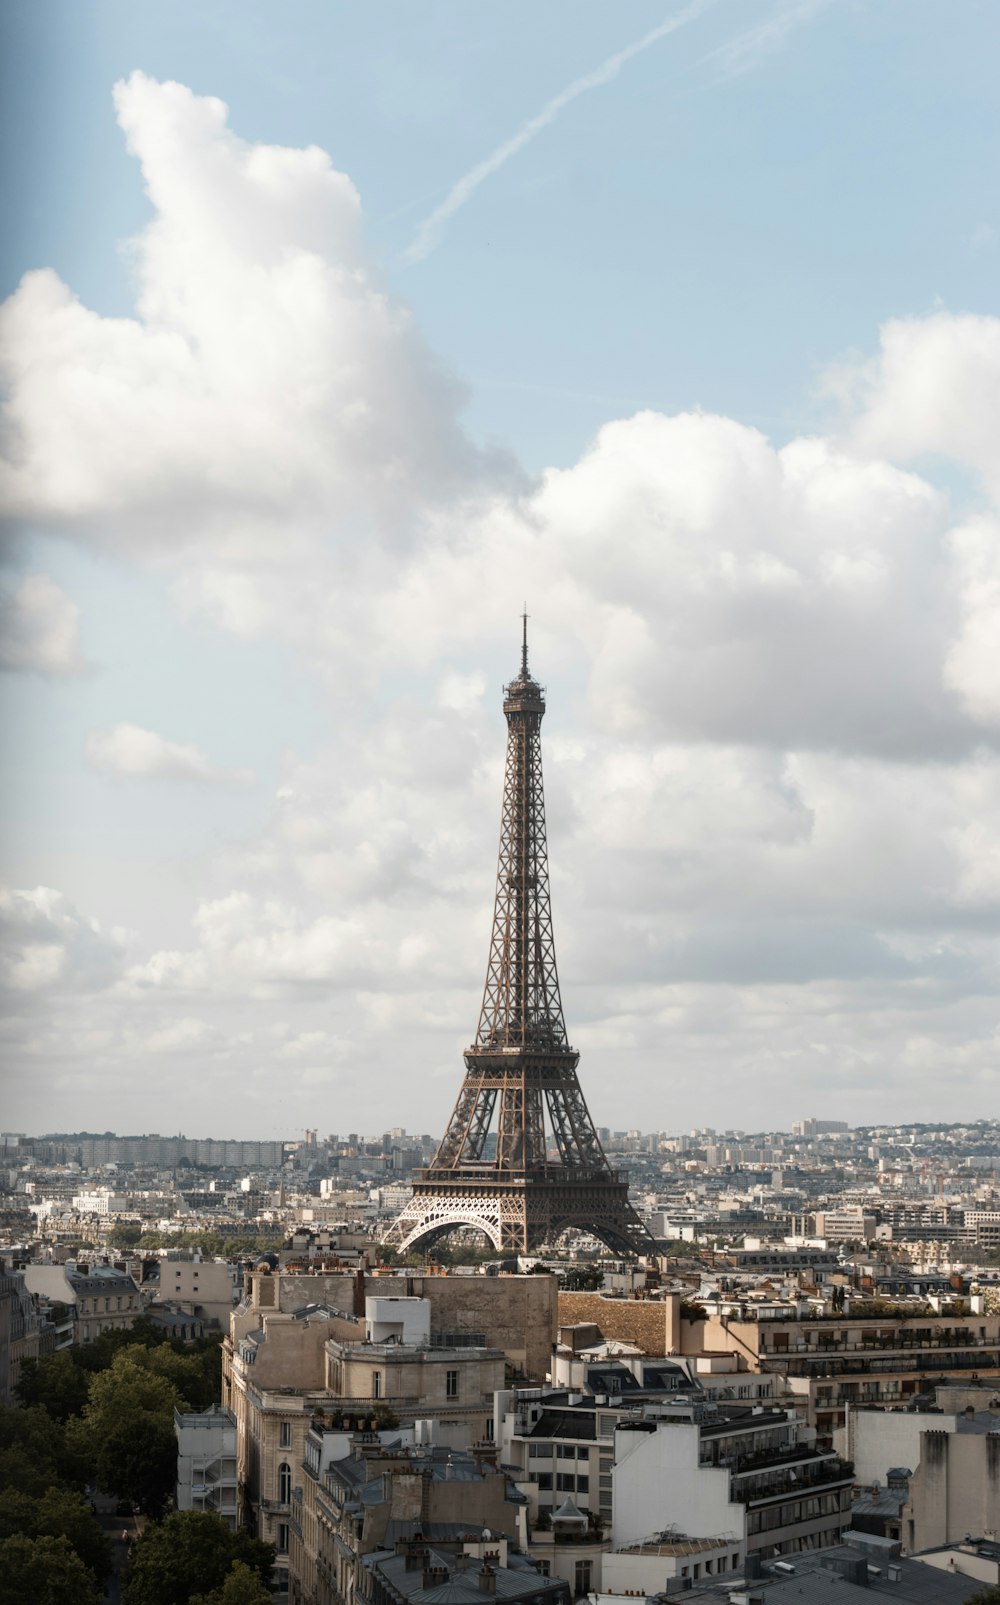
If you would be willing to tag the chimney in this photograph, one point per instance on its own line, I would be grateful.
(434, 1576)
(359, 1293)
(487, 1579)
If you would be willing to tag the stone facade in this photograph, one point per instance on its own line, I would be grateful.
(652, 1325)
(20, 1333)
(283, 1370)
(102, 1297)
(358, 1496)
(513, 1313)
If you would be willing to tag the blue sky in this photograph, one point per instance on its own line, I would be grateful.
(720, 234)
(727, 226)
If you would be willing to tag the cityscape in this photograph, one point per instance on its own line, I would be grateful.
(500, 835)
(809, 1349)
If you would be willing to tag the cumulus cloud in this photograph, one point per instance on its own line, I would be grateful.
(128, 749)
(934, 388)
(40, 629)
(49, 945)
(771, 750)
(267, 374)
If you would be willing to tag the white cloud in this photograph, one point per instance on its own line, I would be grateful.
(267, 376)
(934, 388)
(40, 629)
(128, 749)
(48, 944)
(771, 764)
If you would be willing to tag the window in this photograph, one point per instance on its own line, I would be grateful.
(282, 1544)
(566, 1452)
(544, 1481)
(583, 1485)
(583, 1574)
(285, 1435)
(284, 1483)
(564, 1483)
(376, 1384)
(451, 1384)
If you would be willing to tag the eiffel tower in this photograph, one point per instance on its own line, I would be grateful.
(507, 1182)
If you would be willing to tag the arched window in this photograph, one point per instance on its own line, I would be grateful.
(284, 1483)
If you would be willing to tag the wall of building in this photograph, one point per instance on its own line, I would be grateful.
(205, 1283)
(876, 1440)
(955, 1490)
(649, 1573)
(653, 1325)
(658, 1483)
(513, 1313)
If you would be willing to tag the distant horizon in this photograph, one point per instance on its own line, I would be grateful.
(663, 1131)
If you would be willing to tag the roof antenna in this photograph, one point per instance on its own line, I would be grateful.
(524, 644)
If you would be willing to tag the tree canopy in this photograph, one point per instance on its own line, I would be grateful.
(191, 1554)
(242, 1587)
(58, 1513)
(46, 1571)
(126, 1432)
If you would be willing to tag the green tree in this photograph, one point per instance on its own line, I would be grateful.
(124, 1235)
(99, 1354)
(55, 1382)
(58, 1513)
(35, 1452)
(242, 1587)
(984, 1596)
(127, 1433)
(195, 1377)
(582, 1279)
(188, 1553)
(46, 1571)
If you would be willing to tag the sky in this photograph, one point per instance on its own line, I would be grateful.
(332, 335)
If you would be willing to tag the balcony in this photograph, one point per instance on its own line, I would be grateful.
(788, 1481)
(903, 1360)
(903, 1341)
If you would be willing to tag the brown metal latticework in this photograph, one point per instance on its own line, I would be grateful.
(521, 1067)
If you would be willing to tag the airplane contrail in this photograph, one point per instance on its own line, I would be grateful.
(426, 236)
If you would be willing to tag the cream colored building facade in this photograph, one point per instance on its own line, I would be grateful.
(101, 1297)
(198, 1285)
(283, 1370)
(954, 1491)
(353, 1487)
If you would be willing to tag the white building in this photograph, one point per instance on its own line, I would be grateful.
(206, 1462)
(747, 1471)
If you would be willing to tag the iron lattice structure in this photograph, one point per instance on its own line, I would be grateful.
(523, 1178)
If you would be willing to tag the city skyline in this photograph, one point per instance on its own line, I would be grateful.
(683, 325)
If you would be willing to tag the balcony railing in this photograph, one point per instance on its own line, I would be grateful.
(903, 1340)
(913, 1361)
(791, 1481)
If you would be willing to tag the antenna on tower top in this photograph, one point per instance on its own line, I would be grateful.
(524, 643)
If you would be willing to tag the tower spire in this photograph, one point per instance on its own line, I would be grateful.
(524, 643)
